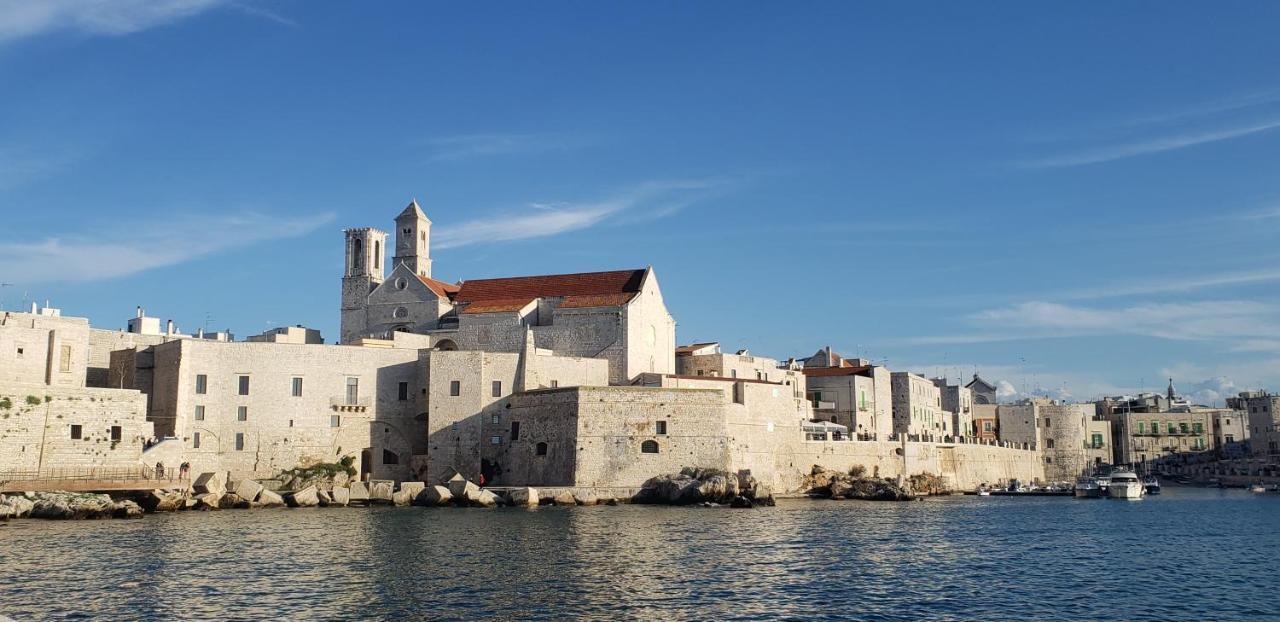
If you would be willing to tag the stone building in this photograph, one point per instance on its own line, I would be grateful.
(706, 359)
(1142, 439)
(619, 316)
(983, 392)
(1264, 422)
(1230, 432)
(986, 422)
(1074, 443)
(958, 401)
(917, 408)
(51, 422)
(1020, 422)
(857, 396)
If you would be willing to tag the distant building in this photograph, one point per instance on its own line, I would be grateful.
(986, 422)
(1144, 439)
(859, 397)
(917, 408)
(1263, 410)
(983, 392)
(289, 334)
(958, 401)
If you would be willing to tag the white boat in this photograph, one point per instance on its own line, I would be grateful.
(1152, 485)
(1088, 488)
(1257, 488)
(983, 492)
(1125, 485)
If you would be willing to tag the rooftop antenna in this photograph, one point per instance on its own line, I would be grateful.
(2, 286)
(208, 319)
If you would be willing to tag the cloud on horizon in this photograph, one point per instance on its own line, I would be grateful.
(660, 199)
(109, 255)
(21, 19)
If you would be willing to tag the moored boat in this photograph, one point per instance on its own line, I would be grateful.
(1257, 488)
(1125, 485)
(1088, 488)
(1152, 485)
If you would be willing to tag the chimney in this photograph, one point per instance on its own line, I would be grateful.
(139, 313)
(34, 307)
(168, 329)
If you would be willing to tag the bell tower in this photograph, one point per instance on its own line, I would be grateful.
(413, 240)
(364, 271)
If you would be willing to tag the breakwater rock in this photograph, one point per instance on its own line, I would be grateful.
(66, 506)
(827, 484)
(710, 486)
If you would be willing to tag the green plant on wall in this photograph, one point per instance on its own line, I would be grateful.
(6, 403)
(33, 400)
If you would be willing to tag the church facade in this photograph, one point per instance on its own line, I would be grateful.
(618, 315)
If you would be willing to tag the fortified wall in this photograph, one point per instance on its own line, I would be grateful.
(46, 428)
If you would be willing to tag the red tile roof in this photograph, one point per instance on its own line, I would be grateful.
(441, 289)
(596, 300)
(551, 286)
(500, 305)
(822, 372)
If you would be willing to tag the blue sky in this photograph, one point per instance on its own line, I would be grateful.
(1081, 199)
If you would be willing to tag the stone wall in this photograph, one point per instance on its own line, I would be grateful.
(43, 349)
(103, 342)
(36, 428)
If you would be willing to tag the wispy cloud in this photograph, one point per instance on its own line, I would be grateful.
(658, 199)
(21, 19)
(22, 166)
(1177, 284)
(467, 146)
(1236, 323)
(1145, 146)
(108, 254)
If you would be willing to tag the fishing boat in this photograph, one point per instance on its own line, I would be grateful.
(1088, 488)
(1125, 485)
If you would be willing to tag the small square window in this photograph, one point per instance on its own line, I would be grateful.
(455, 388)
(20, 351)
(115, 433)
(335, 421)
(497, 388)
(404, 391)
(661, 427)
(76, 432)
(495, 440)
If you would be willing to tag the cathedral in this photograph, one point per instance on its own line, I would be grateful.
(618, 316)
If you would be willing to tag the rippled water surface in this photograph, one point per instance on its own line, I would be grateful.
(1190, 554)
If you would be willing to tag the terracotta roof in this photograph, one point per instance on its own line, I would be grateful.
(596, 300)
(441, 289)
(550, 286)
(822, 372)
(501, 305)
(694, 346)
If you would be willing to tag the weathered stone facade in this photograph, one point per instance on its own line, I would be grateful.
(917, 408)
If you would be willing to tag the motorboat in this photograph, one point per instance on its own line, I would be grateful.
(1088, 488)
(1257, 488)
(983, 491)
(1104, 482)
(1152, 485)
(1125, 485)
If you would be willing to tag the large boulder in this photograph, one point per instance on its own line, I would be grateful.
(304, 498)
(359, 493)
(524, 497)
(460, 488)
(18, 506)
(163, 501)
(401, 498)
(127, 509)
(341, 495)
(326, 499)
(246, 489)
(585, 497)
(433, 496)
(380, 491)
(484, 499)
(232, 501)
(70, 505)
(210, 483)
(207, 501)
(413, 488)
(564, 497)
(270, 499)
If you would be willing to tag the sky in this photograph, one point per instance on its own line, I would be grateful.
(1072, 200)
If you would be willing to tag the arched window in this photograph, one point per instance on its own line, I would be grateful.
(540, 449)
(357, 254)
(446, 345)
(390, 457)
(649, 447)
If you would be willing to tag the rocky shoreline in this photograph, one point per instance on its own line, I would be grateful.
(823, 483)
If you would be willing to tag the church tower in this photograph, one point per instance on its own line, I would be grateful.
(413, 240)
(364, 271)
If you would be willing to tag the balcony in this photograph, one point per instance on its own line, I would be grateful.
(343, 405)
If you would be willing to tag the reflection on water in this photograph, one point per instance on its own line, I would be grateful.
(1187, 554)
